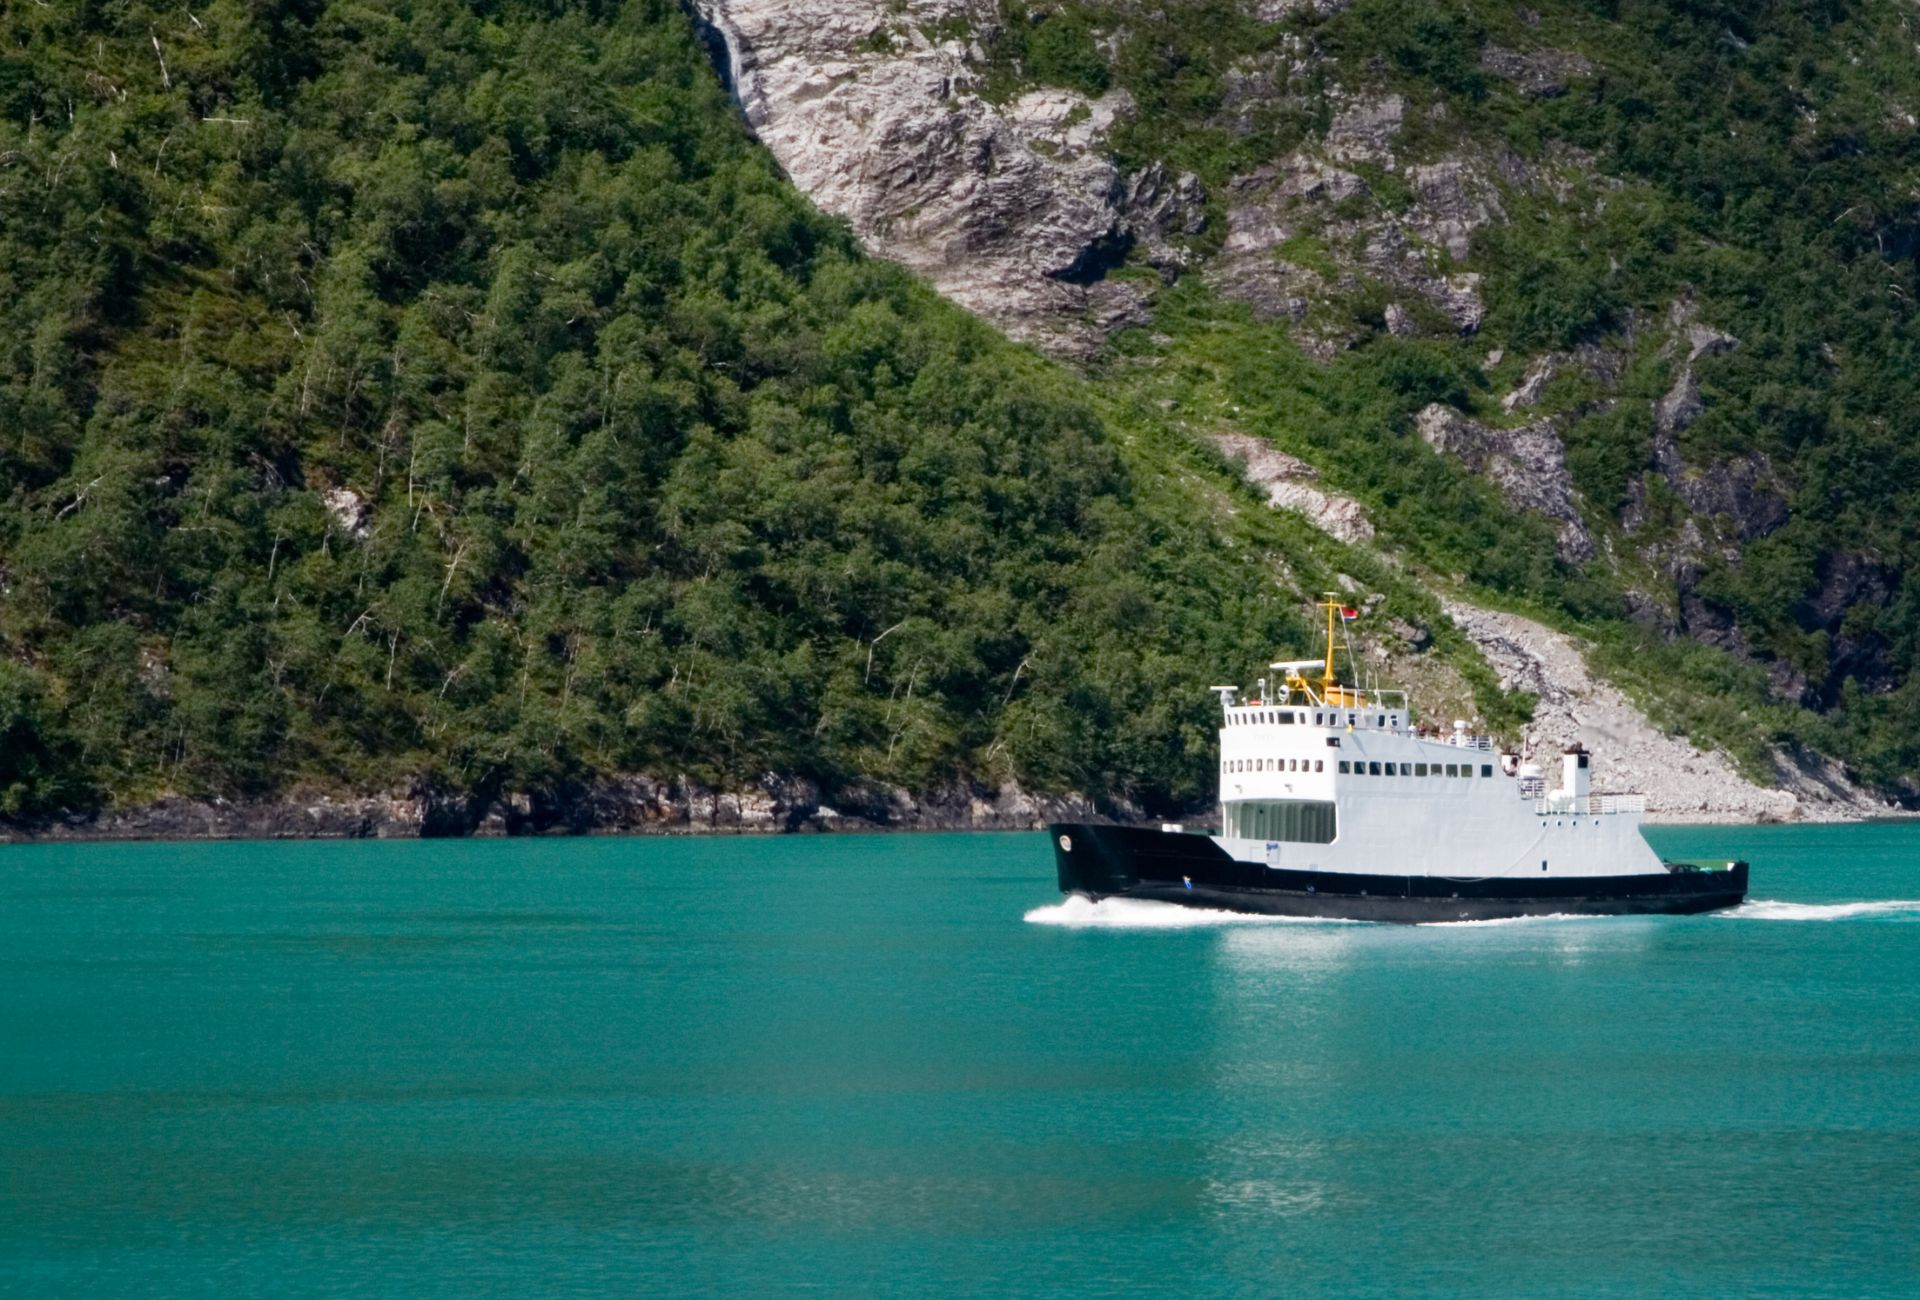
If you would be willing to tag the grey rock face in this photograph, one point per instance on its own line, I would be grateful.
(1681, 406)
(1364, 129)
(1533, 387)
(1539, 74)
(1292, 484)
(1013, 212)
(1018, 211)
(1744, 490)
(1631, 754)
(1528, 464)
(1308, 195)
(1272, 11)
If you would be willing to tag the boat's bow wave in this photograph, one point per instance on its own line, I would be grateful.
(1079, 913)
(1768, 909)
(1556, 917)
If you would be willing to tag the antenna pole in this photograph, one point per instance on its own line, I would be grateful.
(1326, 678)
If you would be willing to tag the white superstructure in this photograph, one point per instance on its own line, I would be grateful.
(1323, 777)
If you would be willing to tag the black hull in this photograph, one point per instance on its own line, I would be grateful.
(1191, 870)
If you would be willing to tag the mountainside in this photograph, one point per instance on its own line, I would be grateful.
(435, 397)
(1603, 312)
(454, 403)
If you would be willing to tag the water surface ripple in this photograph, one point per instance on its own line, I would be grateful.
(890, 1065)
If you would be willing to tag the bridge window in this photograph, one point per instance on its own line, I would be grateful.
(1486, 769)
(1346, 768)
(1373, 769)
(1298, 821)
(1419, 769)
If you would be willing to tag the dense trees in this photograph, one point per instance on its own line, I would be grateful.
(452, 390)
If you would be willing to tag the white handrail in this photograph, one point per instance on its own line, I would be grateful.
(1599, 805)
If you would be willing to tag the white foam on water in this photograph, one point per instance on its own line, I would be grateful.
(1525, 920)
(1768, 909)
(1077, 913)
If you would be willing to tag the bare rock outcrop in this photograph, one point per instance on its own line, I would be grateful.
(1305, 195)
(629, 804)
(1527, 463)
(1681, 782)
(1014, 212)
(1292, 484)
(1537, 74)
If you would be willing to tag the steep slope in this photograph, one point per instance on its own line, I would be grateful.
(1605, 313)
(451, 400)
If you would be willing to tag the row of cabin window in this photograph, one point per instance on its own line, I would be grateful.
(1299, 820)
(1358, 768)
(1274, 765)
(1322, 719)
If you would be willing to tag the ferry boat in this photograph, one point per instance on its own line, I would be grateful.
(1334, 802)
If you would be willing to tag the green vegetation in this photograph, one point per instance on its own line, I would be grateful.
(1755, 161)
(453, 392)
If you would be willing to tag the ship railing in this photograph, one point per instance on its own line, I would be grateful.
(1598, 805)
(1460, 740)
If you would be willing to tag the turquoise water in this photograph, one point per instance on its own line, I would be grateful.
(898, 1064)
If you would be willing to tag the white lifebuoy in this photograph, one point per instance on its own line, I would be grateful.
(1066, 844)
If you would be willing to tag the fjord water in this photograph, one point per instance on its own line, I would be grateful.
(895, 1064)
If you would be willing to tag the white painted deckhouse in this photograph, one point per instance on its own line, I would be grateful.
(1320, 777)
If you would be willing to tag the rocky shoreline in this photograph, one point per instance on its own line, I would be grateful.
(631, 805)
(645, 806)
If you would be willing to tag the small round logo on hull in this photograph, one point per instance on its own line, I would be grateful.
(1066, 844)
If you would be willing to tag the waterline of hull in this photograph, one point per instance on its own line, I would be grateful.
(1192, 870)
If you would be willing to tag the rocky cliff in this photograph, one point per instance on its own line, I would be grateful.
(1355, 205)
(1013, 209)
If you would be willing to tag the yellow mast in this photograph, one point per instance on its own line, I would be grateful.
(1331, 692)
(1326, 679)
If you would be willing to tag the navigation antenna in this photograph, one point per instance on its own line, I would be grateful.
(1334, 607)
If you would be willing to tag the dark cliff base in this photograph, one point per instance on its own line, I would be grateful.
(626, 806)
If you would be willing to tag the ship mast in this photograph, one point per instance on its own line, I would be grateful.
(1326, 678)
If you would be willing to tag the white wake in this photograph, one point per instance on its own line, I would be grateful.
(1077, 913)
(1526, 920)
(1767, 909)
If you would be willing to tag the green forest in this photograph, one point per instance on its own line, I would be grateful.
(411, 391)
(454, 393)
